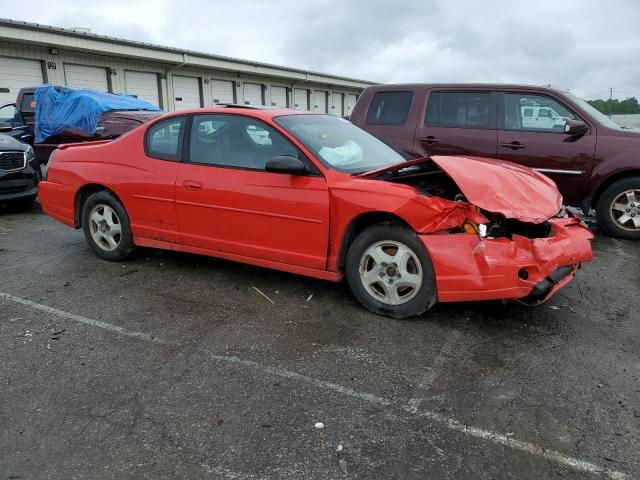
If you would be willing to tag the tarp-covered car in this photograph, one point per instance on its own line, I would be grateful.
(315, 195)
(57, 115)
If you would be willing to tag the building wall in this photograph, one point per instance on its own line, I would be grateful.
(53, 66)
(627, 121)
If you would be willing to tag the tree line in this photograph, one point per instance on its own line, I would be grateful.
(616, 107)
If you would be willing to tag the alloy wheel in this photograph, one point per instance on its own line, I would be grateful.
(625, 210)
(105, 227)
(390, 272)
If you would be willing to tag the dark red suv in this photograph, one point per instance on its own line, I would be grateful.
(595, 163)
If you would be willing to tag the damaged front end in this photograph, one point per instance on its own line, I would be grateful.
(502, 232)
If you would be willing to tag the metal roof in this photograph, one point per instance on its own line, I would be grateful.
(92, 36)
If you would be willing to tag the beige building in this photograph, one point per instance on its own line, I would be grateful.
(31, 54)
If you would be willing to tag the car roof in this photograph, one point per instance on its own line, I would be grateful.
(257, 111)
(395, 86)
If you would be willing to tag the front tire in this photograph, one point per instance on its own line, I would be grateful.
(106, 227)
(390, 272)
(618, 209)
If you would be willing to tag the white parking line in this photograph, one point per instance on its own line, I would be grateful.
(81, 319)
(450, 423)
(426, 382)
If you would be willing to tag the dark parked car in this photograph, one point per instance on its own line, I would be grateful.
(594, 162)
(19, 172)
(21, 117)
(13, 124)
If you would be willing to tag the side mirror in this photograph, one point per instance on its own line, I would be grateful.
(5, 127)
(286, 164)
(575, 128)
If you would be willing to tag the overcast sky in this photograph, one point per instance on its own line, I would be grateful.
(586, 46)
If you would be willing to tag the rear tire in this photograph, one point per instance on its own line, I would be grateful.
(618, 209)
(390, 272)
(106, 227)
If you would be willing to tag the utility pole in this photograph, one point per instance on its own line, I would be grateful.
(610, 100)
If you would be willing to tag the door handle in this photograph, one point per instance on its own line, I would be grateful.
(430, 140)
(192, 185)
(513, 145)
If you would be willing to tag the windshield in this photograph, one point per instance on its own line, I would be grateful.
(596, 114)
(339, 144)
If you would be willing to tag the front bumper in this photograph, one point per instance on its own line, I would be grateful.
(19, 185)
(470, 268)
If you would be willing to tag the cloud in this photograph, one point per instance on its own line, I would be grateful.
(583, 46)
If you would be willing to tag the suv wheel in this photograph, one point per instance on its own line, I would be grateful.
(390, 271)
(106, 227)
(618, 209)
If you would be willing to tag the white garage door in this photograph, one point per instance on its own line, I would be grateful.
(186, 92)
(351, 102)
(143, 85)
(336, 104)
(15, 74)
(252, 94)
(301, 100)
(222, 91)
(320, 101)
(81, 76)
(279, 97)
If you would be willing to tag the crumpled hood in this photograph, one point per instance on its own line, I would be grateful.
(497, 186)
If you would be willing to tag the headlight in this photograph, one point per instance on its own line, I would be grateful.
(29, 154)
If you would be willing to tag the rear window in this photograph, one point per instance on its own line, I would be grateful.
(28, 104)
(389, 108)
(461, 110)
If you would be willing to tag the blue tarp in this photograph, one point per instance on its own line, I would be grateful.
(77, 108)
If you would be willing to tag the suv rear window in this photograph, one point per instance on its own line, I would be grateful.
(461, 110)
(28, 104)
(389, 108)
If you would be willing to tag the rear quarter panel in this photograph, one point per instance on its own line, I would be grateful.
(145, 186)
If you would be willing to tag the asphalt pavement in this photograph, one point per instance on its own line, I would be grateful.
(181, 366)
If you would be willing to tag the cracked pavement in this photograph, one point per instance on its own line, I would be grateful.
(235, 385)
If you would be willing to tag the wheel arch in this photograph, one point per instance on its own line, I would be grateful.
(609, 181)
(360, 223)
(85, 192)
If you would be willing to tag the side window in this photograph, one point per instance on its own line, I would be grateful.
(163, 139)
(530, 112)
(236, 141)
(9, 114)
(461, 110)
(389, 108)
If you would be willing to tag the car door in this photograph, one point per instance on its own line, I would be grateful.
(538, 140)
(227, 201)
(458, 122)
(10, 116)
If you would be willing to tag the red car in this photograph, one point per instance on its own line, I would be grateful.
(315, 195)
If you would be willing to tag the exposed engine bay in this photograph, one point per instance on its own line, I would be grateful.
(430, 180)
